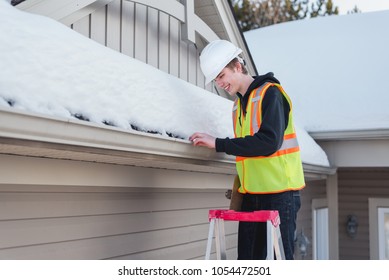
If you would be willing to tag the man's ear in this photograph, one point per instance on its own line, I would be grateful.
(238, 67)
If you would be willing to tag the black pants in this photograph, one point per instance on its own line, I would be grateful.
(252, 236)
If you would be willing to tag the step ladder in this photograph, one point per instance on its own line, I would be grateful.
(271, 217)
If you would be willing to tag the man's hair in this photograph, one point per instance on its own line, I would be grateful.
(231, 64)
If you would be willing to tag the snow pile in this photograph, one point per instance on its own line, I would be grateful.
(50, 69)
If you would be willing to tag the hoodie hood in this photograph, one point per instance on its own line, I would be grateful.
(260, 80)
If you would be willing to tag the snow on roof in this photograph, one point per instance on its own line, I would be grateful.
(49, 68)
(334, 68)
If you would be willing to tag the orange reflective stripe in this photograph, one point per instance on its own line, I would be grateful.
(289, 136)
(274, 192)
(286, 151)
(261, 174)
(258, 116)
(276, 154)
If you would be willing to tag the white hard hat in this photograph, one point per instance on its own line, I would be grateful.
(215, 56)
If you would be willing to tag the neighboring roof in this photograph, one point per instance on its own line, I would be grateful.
(54, 71)
(334, 68)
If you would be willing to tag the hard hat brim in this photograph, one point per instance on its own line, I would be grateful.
(217, 71)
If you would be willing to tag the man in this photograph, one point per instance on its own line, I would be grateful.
(265, 145)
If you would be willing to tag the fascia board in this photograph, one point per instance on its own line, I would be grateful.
(21, 125)
(339, 135)
(316, 172)
(86, 137)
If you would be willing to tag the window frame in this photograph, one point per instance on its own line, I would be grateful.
(318, 204)
(375, 229)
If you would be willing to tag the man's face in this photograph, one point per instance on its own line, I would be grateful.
(228, 79)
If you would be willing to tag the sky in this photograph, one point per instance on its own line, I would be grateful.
(49, 69)
(363, 5)
(334, 68)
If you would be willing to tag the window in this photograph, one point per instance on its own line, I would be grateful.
(320, 229)
(383, 233)
(379, 228)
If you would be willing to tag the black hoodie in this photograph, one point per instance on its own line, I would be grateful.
(275, 115)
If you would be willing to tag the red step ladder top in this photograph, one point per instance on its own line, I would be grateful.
(255, 216)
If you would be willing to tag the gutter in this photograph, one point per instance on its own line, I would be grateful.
(315, 172)
(38, 135)
(357, 134)
(32, 130)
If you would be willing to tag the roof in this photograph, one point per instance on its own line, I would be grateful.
(334, 68)
(55, 72)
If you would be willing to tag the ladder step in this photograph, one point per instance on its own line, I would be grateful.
(271, 217)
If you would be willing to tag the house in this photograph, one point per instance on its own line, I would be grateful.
(77, 183)
(335, 69)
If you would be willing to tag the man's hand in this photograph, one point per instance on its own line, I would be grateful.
(203, 139)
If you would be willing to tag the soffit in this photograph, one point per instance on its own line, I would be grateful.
(355, 148)
(207, 11)
(357, 153)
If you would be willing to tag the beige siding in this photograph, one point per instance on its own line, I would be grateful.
(138, 216)
(313, 189)
(127, 32)
(356, 186)
(146, 34)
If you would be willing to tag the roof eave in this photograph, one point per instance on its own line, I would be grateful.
(357, 134)
(317, 172)
(39, 135)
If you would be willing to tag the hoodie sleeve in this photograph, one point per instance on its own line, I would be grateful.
(268, 139)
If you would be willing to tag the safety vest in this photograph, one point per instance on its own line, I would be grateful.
(275, 173)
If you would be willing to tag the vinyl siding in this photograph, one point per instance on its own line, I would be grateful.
(356, 186)
(146, 34)
(63, 214)
(313, 189)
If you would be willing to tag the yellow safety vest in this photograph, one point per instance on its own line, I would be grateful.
(278, 172)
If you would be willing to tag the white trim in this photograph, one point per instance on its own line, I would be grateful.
(204, 30)
(81, 13)
(68, 11)
(374, 205)
(382, 232)
(170, 7)
(21, 125)
(55, 9)
(333, 215)
(317, 204)
(188, 27)
(365, 134)
(18, 126)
